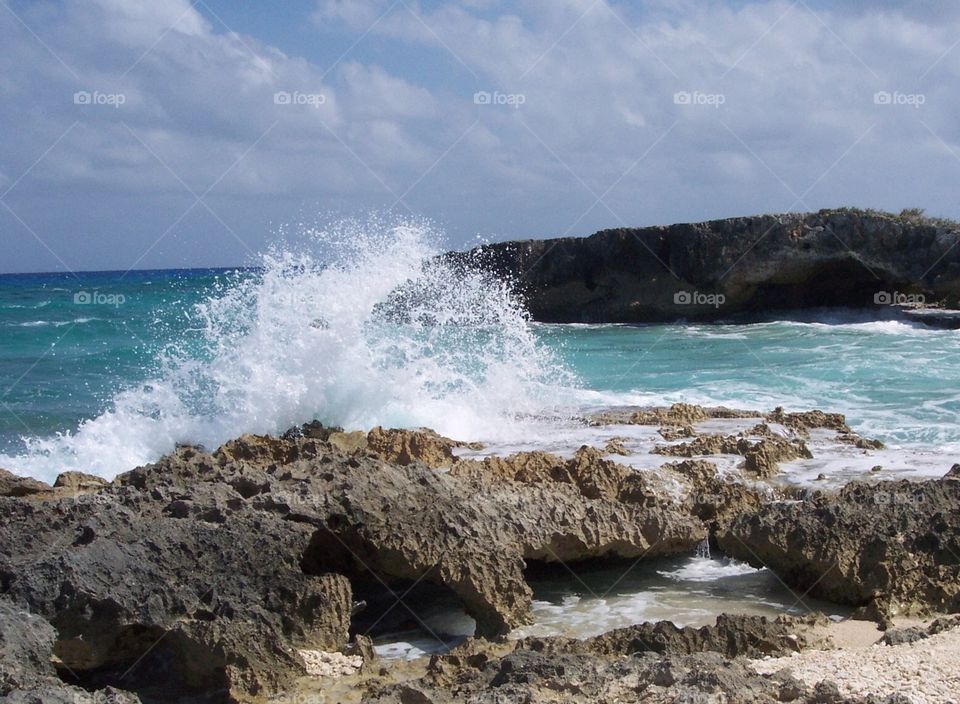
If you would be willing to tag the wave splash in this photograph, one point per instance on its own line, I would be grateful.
(320, 332)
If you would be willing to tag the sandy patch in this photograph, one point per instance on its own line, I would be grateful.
(926, 671)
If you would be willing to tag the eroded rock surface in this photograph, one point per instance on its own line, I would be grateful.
(714, 499)
(895, 545)
(678, 414)
(214, 570)
(648, 663)
(761, 457)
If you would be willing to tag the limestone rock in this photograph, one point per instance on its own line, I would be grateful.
(212, 570)
(895, 543)
(14, 485)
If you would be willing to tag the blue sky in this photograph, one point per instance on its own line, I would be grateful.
(176, 133)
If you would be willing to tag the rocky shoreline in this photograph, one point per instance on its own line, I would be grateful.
(746, 268)
(235, 575)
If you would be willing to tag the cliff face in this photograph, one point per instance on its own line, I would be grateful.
(722, 268)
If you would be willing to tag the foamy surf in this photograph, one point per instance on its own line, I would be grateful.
(316, 334)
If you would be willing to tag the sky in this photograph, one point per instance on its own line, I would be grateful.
(173, 133)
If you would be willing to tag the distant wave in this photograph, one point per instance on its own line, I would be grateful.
(41, 304)
(54, 323)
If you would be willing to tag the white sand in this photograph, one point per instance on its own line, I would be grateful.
(926, 671)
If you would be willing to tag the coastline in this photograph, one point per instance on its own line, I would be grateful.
(331, 513)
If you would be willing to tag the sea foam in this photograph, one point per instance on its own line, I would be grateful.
(320, 333)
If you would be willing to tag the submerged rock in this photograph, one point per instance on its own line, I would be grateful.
(761, 457)
(678, 415)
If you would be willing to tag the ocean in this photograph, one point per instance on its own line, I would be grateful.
(104, 371)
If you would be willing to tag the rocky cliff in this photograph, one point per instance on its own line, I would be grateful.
(739, 266)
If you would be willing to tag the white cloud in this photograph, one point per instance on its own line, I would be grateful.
(780, 97)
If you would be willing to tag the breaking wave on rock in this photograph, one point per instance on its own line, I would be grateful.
(360, 324)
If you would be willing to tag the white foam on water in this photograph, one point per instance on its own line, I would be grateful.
(706, 569)
(313, 337)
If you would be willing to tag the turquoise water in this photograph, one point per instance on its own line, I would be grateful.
(897, 381)
(152, 358)
(62, 360)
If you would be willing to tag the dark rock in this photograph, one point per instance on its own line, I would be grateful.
(679, 414)
(732, 636)
(404, 447)
(713, 499)
(27, 674)
(893, 543)
(804, 421)
(899, 636)
(611, 668)
(208, 572)
(740, 266)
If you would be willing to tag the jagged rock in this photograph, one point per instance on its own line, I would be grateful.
(761, 457)
(314, 430)
(615, 446)
(804, 421)
(355, 441)
(679, 414)
(898, 636)
(410, 522)
(218, 568)
(178, 569)
(717, 269)
(895, 543)
(363, 647)
(76, 483)
(713, 499)
(14, 485)
(732, 636)
(406, 446)
(676, 432)
(860, 442)
(618, 667)
(27, 673)
(594, 476)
